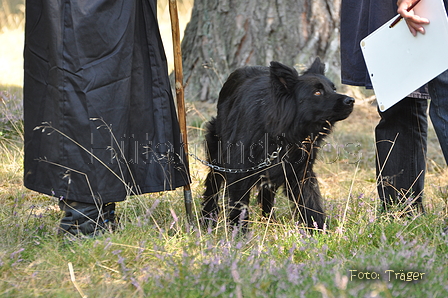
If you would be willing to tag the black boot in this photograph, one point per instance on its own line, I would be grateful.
(86, 219)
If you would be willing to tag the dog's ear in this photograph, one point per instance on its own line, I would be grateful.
(317, 67)
(283, 76)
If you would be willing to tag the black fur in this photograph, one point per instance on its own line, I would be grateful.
(261, 109)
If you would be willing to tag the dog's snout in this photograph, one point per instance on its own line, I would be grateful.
(349, 100)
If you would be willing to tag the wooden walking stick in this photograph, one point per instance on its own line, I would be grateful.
(181, 114)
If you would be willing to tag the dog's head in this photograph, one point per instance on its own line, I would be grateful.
(309, 101)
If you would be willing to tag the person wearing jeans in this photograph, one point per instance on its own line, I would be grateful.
(401, 134)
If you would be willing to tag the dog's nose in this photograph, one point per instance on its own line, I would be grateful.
(349, 100)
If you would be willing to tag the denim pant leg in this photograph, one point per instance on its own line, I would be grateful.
(401, 137)
(438, 110)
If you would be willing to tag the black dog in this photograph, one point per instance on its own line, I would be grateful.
(269, 126)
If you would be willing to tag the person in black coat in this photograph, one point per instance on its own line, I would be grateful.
(100, 120)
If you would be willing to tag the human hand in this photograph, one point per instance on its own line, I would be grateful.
(415, 23)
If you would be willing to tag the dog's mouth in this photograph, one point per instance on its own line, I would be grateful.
(340, 111)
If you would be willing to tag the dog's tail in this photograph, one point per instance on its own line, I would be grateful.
(212, 142)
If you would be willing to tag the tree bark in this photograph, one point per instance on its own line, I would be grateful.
(226, 34)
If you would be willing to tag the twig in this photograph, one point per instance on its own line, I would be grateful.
(73, 279)
(178, 77)
(348, 198)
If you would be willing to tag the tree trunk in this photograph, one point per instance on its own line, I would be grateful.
(226, 34)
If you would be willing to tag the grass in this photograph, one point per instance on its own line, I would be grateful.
(156, 253)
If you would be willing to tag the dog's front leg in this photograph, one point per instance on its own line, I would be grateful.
(308, 200)
(239, 207)
(266, 197)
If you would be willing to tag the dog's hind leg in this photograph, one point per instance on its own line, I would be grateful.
(214, 180)
(210, 205)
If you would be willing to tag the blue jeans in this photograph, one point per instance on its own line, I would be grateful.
(401, 144)
(438, 90)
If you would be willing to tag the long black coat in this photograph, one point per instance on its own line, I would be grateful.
(100, 120)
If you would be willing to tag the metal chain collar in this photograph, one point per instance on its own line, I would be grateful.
(266, 163)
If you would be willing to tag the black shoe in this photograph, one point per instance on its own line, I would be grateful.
(86, 219)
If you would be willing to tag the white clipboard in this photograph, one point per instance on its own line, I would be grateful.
(398, 62)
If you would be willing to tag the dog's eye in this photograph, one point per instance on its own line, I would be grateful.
(318, 93)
